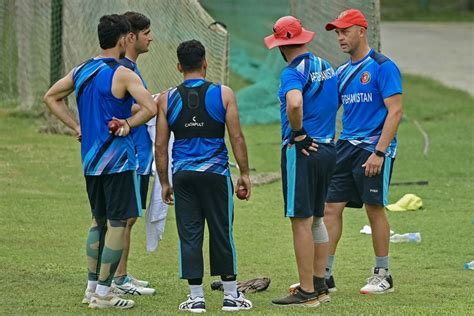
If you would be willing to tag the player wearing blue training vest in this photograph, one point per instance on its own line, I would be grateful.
(197, 112)
(308, 106)
(138, 41)
(370, 92)
(105, 90)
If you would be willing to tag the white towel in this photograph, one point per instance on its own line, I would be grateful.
(157, 210)
(155, 220)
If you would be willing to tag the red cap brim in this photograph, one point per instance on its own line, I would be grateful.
(338, 24)
(304, 37)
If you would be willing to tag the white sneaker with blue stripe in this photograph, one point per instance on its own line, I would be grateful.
(193, 304)
(233, 304)
(128, 287)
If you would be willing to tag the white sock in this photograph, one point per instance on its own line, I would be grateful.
(196, 290)
(102, 290)
(230, 288)
(91, 285)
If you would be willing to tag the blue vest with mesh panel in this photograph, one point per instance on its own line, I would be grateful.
(204, 153)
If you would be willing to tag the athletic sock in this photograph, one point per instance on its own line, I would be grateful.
(230, 288)
(381, 262)
(91, 285)
(319, 284)
(102, 290)
(329, 265)
(196, 291)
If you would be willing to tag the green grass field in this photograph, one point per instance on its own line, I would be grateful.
(45, 218)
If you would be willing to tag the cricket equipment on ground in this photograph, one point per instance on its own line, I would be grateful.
(250, 286)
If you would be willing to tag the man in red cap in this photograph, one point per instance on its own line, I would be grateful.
(370, 92)
(308, 98)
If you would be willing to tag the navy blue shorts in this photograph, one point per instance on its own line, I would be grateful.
(306, 180)
(114, 196)
(349, 182)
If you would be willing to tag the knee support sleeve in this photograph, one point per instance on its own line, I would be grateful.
(320, 233)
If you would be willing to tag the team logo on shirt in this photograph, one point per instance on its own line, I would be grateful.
(194, 123)
(365, 77)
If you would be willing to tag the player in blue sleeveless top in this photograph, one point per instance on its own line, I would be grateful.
(308, 106)
(138, 41)
(370, 92)
(197, 112)
(105, 90)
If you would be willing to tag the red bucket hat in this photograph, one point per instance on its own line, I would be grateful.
(288, 31)
(347, 19)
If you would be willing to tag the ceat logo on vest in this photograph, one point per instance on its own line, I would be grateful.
(194, 123)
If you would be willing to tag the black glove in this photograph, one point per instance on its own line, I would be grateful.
(302, 144)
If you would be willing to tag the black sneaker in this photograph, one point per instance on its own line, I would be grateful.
(298, 298)
(331, 284)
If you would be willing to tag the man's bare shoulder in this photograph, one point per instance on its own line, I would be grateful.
(226, 89)
(163, 98)
(125, 73)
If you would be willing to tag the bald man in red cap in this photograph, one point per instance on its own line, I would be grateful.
(308, 106)
(370, 92)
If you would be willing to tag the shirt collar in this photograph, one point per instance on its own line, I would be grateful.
(365, 57)
(299, 58)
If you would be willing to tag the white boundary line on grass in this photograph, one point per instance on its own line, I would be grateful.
(426, 138)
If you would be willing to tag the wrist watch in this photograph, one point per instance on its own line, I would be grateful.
(379, 153)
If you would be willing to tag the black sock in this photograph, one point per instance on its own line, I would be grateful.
(319, 283)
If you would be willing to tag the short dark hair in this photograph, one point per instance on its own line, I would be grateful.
(138, 21)
(111, 28)
(191, 55)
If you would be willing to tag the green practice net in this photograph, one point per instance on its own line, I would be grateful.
(31, 30)
(249, 22)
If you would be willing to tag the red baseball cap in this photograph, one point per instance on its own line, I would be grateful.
(288, 31)
(347, 19)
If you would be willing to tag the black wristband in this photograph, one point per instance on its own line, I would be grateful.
(295, 134)
(126, 121)
(379, 153)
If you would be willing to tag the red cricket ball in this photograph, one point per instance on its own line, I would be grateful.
(114, 125)
(241, 193)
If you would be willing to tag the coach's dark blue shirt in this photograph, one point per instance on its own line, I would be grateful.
(363, 86)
